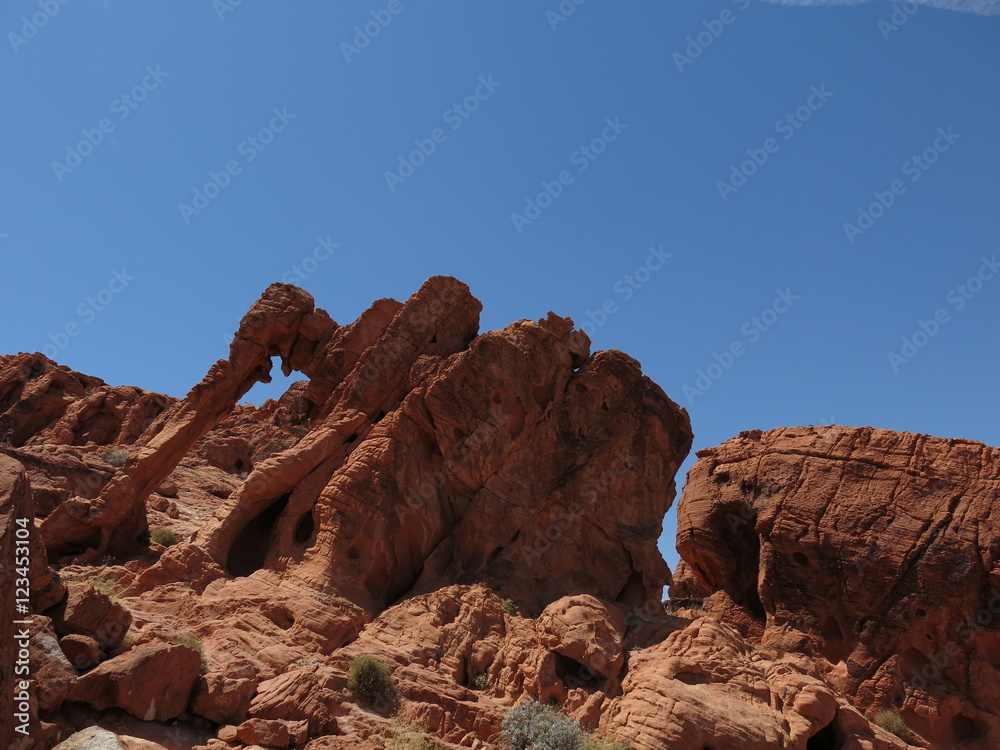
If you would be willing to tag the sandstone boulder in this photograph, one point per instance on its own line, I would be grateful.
(313, 694)
(92, 738)
(89, 612)
(82, 651)
(273, 733)
(224, 699)
(586, 631)
(181, 562)
(154, 683)
(53, 673)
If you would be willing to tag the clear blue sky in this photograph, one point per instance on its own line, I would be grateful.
(864, 99)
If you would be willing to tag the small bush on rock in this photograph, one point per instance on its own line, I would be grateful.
(370, 679)
(893, 722)
(411, 737)
(592, 743)
(532, 726)
(163, 536)
(115, 458)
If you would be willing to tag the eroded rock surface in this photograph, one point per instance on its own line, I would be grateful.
(876, 553)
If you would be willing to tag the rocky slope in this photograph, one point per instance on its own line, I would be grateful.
(480, 511)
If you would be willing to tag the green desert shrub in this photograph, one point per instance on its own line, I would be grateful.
(605, 743)
(533, 726)
(482, 682)
(108, 586)
(163, 536)
(115, 458)
(509, 607)
(893, 722)
(411, 737)
(370, 679)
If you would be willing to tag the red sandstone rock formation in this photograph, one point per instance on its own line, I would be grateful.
(875, 553)
(423, 474)
(45, 402)
(282, 323)
(15, 504)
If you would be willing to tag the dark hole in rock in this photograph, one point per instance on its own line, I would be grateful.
(693, 678)
(735, 522)
(576, 675)
(721, 478)
(966, 729)
(280, 617)
(93, 539)
(837, 648)
(825, 739)
(633, 593)
(304, 528)
(800, 559)
(249, 549)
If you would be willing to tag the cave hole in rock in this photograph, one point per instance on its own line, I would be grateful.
(577, 675)
(280, 617)
(966, 729)
(633, 593)
(693, 678)
(97, 428)
(836, 648)
(800, 559)
(90, 541)
(734, 524)
(249, 550)
(304, 528)
(825, 739)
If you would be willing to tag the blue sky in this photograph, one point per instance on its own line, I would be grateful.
(739, 138)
